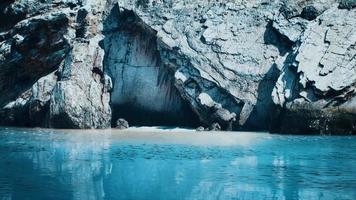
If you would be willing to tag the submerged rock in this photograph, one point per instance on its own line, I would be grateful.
(285, 65)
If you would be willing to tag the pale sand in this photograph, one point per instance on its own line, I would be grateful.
(157, 135)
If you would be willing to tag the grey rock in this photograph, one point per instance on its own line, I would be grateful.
(31, 107)
(215, 127)
(33, 48)
(290, 28)
(214, 58)
(313, 90)
(246, 65)
(39, 103)
(55, 36)
(15, 112)
(11, 13)
(122, 124)
(81, 97)
(200, 128)
(347, 4)
(309, 10)
(141, 83)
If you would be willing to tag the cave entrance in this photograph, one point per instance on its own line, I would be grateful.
(143, 88)
(139, 116)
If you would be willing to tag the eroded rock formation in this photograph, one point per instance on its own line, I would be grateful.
(284, 66)
(317, 89)
(144, 91)
(59, 38)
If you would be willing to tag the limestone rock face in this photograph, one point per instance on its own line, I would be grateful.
(285, 65)
(60, 38)
(318, 89)
(143, 88)
(207, 50)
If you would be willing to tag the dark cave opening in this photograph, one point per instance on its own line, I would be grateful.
(139, 116)
(143, 92)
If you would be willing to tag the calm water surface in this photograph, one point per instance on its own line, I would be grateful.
(48, 164)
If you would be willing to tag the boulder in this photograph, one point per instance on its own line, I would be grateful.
(200, 128)
(215, 127)
(122, 124)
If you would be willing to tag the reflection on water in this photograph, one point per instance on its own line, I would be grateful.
(45, 164)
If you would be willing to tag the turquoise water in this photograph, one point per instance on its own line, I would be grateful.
(48, 164)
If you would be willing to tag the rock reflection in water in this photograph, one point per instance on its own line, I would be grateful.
(53, 165)
(44, 164)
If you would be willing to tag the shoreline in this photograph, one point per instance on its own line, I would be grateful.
(150, 135)
(166, 129)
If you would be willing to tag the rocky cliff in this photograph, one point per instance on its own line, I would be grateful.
(286, 66)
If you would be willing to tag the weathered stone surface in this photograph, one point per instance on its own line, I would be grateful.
(246, 65)
(46, 37)
(31, 107)
(347, 4)
(81, 97)
(314, 89)
(143, 88)
(40, 100)
(122, 124)
(215, 127)
(32, 49)
(306, 9)
(217, 58)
